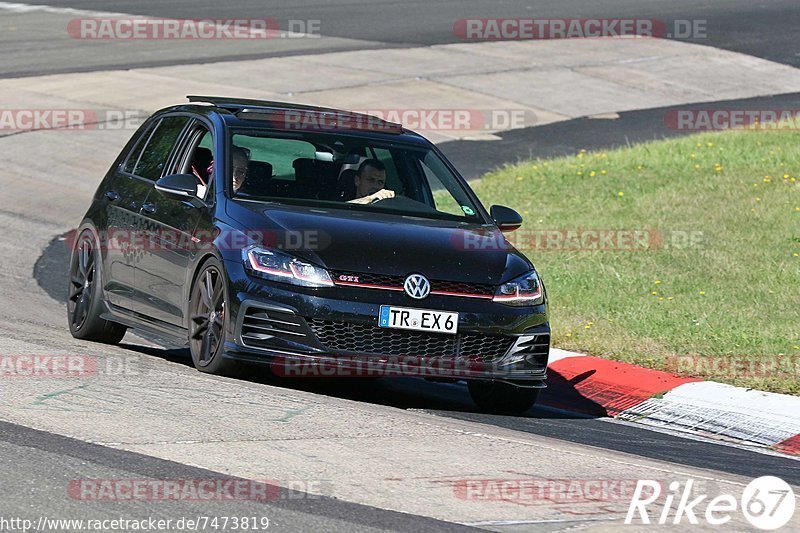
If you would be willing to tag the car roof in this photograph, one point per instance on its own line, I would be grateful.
(288, 116)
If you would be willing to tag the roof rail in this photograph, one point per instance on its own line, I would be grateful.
(240, 103)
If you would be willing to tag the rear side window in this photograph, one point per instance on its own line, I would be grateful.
(136, 152)
(154, 156)
(280, 153)
(207, 142)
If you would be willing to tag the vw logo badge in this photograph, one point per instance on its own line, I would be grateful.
(417, 286)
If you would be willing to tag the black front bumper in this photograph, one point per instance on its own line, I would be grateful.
(334, 332)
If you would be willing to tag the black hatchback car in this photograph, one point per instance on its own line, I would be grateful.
(319, 241)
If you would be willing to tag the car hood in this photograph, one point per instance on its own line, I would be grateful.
(390, 244)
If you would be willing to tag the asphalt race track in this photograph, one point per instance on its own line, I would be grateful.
(362, 455)
(453, 400)
(764, 28)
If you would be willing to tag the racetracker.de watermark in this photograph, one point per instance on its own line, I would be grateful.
(729, 119)
(521, 29)
(38, 119)
(194, 523)
(47, 366)
(423, 119)
(580, 240)
(735, 366)
(345, 366)
(201, 489)
(165, 239)
(137, 29)
(528, 491)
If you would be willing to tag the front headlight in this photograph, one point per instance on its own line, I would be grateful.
(524, 290)
(280, 266)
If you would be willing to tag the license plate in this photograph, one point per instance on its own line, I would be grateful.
(417, 319)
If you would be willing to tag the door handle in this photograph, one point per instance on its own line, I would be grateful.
(112, 196)
(149, 208)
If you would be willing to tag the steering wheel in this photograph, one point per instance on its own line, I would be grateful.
(404, 202)
(400, 200)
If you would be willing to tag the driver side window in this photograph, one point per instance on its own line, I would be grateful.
(443, 200)
(199, 160)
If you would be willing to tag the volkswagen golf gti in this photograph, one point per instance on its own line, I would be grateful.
(315, 240)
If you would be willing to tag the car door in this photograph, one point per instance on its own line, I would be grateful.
(161, 274)
(124, 195)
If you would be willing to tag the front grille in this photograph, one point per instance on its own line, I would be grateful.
(372, 340)
(457, 287)
(260, 325)
(463, 288)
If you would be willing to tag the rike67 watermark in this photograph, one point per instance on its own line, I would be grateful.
(767, 503)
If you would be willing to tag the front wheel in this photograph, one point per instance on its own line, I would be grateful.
(207, 308)
(502, 398)
(85, 300)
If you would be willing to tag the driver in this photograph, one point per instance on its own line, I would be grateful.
(241, 161)
(369, 182)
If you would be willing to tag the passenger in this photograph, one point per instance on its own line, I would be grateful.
(202, 162)
(202, 186)
(369, 182)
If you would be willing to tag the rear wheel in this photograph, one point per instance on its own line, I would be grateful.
(502, 398)
(207, 307)
(84, 300)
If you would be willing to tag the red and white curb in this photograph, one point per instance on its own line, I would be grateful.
(600, 387)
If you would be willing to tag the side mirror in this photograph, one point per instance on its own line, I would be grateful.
(181, 187)
(178, 186)
(506, 218)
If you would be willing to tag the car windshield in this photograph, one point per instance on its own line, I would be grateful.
(347, 172)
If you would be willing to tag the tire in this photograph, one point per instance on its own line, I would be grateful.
(85, 295)
(207, 320)
(502, 398)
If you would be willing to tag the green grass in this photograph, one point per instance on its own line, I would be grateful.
(733, 295)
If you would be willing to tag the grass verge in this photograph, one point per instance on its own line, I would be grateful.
(698, 269)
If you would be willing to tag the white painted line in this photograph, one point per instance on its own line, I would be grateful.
(556, 354)
(710, 408)
(715, 412)
(551, 521)
(17, 7)
(666, 430)
(31, 8)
